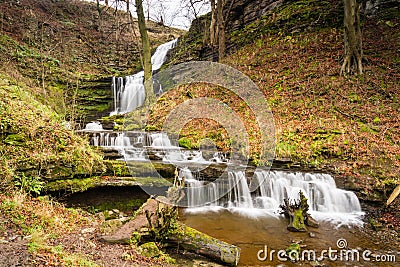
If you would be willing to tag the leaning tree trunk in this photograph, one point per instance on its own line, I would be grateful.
(352, 61)
(146, 54)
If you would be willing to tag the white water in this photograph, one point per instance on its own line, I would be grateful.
(160, 55)
(94, 126)
(129, 93)
(267, 190)
(107, 140)
(160, 140)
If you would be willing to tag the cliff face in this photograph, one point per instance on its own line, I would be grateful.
(285, 15)
(238, 13)
(243, 12)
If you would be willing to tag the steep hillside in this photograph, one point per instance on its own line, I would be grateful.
(55, 60)
(62, 48)
(348, 126)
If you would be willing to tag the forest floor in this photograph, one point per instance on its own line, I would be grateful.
(43, 232)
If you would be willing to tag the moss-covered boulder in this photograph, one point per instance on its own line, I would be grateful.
(149, 249)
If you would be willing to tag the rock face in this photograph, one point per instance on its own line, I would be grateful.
(243, 12)
(372, 7)
(239, 13)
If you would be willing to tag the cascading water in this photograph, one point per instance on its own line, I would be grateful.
(93, 126)
(160, 140)
(130, 94)
(266, 192)
(159, 57)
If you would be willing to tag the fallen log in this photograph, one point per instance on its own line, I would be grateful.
(156, 220)
(200, 243)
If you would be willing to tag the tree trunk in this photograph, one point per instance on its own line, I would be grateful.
(352, 61)
(297, 212)
(221, 29)
(213, 28)
(146, 53)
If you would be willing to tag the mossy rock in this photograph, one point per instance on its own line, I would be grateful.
(110, 226)
(149, 249)
(72, 185)
(59, 171)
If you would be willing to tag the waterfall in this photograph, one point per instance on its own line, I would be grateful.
(129, 93)
(267, 190)
(159, 57)
(122, 141)
(94, 126)
(160, 140)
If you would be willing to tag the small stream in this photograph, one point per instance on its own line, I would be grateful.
(253, 234)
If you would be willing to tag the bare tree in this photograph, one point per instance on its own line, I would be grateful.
(218, 31)
(352, 61)
(193, 8)
(221, 28)
(146, 52)
(213, 28)
(148, 6)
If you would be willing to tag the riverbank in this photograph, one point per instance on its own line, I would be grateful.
(40, 231)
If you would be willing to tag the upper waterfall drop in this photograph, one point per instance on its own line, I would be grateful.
(129, 92)
(159, 57)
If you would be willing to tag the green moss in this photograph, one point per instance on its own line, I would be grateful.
(72, 185)
(117, 168)
(298, 219)
(186, 143)
(125, 205)
(293, 251)
(150, 128)
(149, 249)
(14, 139)
(35, 139)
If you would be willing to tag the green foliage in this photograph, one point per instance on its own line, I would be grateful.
(14, 139)
(29, 184)
(186, 143)
(34, 138)
(136, 237)
(293, 251)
